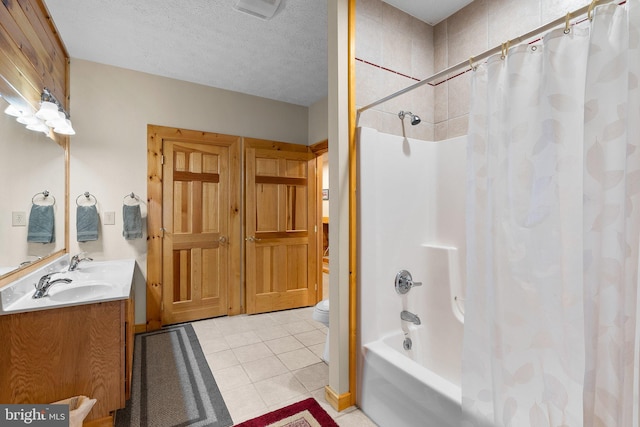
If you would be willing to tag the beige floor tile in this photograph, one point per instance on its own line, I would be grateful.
(298, 359)
(221, 359)
(257, 321)
(241, 339)
(311, 337)
(264, 368)
(251, 352)
(284, 344)
(231, 377)
(244, 403)
(213, 345)
(209, 334)
(205, 327)
(305, 311)
(280, 388)
(317, 349)
(313, 377)
(286, 316)
(289, 401)
(318, 325)
(271, 332)
(298, 327)
(231, 325)
(354, 419)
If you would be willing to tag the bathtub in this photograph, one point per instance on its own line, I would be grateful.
(411, 217)
(410, 387)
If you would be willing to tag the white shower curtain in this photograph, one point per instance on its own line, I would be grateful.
(552, 320)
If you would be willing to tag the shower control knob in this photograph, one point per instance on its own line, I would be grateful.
(404, 282)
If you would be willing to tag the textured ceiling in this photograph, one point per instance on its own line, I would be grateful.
(210, 43)
(206, 42)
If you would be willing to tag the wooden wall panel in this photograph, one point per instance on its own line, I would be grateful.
(31, 45)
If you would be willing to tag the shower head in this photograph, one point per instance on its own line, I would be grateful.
(415, 119)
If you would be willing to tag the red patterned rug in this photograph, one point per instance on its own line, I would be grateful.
(307, 413)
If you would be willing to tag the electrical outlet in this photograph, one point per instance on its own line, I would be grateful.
(18, 219)
(109, 218)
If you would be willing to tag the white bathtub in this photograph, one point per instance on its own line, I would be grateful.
(411, 217)
(410, 387)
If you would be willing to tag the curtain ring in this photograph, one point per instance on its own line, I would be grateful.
(473, 67)
(590, 10)
(505, 49)
(567, 23)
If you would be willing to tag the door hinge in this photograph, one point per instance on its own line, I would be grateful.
(315, 228)
(162, 306)
(162, 159)
(162, 232)
(316, 286)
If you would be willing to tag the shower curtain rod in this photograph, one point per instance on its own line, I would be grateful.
(484, 55)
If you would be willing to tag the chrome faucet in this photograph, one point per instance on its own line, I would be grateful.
(76, 259)
(45, 283)
(410, 317)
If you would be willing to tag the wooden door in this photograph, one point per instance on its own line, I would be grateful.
(195, 254)
(280, 227)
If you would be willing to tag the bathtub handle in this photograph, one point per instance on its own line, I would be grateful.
(404, 282)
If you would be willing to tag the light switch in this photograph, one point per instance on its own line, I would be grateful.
(18, 219)
(109, 218)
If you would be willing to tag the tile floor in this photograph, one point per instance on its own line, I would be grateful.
(266, 361)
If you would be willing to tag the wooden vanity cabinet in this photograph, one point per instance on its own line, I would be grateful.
(50, 355)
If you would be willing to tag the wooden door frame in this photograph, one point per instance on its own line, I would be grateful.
(156, 135)
(319, 149)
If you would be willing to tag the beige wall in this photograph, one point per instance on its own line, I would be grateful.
(318, 121)
(482, 25)
(111, 108)
(403, 45)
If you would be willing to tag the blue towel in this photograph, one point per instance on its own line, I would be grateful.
(41, 224)
(87, 223)
(132, 222)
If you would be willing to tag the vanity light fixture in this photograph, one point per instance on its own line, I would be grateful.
(53, 115)
(12, 111)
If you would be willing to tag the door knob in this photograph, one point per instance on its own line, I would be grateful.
(252, 239)
(222, 240)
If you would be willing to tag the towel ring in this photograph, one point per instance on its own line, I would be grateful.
(45, 194)
(131, 196)
(88, 196)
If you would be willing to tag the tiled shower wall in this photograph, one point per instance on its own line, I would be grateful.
(482, 25)
(395, 50)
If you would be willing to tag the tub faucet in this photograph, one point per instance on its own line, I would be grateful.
(45, 283)
(76, 259)
(410, 317)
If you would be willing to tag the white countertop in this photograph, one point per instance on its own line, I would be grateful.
(92, 282)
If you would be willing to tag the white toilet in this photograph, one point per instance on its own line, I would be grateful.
(321, 314)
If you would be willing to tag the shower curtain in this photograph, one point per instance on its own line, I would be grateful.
(552, 320)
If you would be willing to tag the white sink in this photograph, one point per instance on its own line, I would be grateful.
(80, 292)
(92, 282)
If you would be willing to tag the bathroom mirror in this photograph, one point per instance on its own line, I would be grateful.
(30, 163)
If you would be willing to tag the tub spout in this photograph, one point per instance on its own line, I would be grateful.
(410, 317)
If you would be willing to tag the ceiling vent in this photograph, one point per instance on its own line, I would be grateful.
(263, 9)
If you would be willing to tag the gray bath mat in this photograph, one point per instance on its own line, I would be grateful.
(172, 384)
